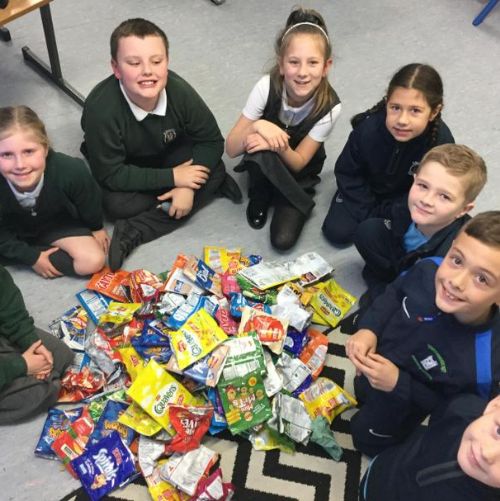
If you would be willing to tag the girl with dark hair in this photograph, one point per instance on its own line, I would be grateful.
(288, 116)
(375, 169)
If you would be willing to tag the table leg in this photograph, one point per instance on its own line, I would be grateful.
(5, 34)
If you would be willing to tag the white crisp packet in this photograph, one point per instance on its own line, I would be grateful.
(293, 370)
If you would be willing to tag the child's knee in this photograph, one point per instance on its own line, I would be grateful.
(90, 262)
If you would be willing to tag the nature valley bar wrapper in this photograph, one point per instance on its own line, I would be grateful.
(199, 335)
(332, 303)
(154, 389)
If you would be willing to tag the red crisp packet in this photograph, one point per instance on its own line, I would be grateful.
(214, 489)
(144, 286)
(70, 444)
(110, 283)
(226, 321)
(78, 385)
(229, 285)
(191, 424)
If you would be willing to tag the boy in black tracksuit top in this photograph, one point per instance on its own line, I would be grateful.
(435, 462)
(435, 332)
(444, 189)
(150, 138)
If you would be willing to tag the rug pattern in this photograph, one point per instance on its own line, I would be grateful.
(308, 475)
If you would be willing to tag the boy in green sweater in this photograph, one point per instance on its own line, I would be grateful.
(31, 360)
(151, 142)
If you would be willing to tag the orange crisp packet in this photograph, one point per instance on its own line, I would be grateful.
(110, 283)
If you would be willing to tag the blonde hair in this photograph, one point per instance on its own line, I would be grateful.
(310, 22)
(462, 162)
(13, 118)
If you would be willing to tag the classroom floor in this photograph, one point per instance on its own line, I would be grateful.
(222, 51)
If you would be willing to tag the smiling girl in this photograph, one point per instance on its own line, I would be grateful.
(288, 116)
(376, 166)
(50, 209)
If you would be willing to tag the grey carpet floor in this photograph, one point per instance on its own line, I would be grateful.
(222, 51)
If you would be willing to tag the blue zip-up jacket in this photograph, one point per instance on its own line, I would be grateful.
(437, 355)
(374, 168)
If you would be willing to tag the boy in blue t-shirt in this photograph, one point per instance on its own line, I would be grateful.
(433, 333)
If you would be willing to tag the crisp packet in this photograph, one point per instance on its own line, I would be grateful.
(94, 303)
(291, 418)
(191, 424)
(293, 371)
(101, 352)
(178, 282)
(117, 315)
(226, 322)
(273, 381)
(207, 370)
(326, 398)
(104, 466)
(191, 305)
(230, 285)
(148, 453)
(77, 385)
(185, 470)
(71, 328)
(153, 342)
(249, 290)
(267, 439)
(239, 302)
(154, 389)
(144, 286)
(295, 341)
(196, 338)
(214, 489)
(132, 361)
(245, 356)
(161, 490)
(169, 303)
(56, 423)
(323, 435)
(215, 257)
(245, 402)
(109, 422)
(203, 276)
(109, 283)
(270, 330)
(315, 351)
(332, 303)
(139, 420)
(218, 422)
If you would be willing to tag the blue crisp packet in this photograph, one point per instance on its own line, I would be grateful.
(295, 341)
(94, 303)
(153, 342)
(108, 422)
(239, 301)
(104, 466)
(193, 303)
(218, 422)
(56, 423)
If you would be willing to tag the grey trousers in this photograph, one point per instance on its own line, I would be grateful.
(27, 396)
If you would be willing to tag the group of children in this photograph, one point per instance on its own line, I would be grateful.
(426, 338)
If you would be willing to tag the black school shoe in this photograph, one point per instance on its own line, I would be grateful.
(257, 213)
(230, 189)
(124, 240)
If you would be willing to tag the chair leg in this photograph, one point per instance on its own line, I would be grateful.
(5, 34)
(486, 10)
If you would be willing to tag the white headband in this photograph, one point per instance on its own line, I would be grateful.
(309, 24)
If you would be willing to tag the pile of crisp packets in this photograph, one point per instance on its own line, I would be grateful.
(214, 344)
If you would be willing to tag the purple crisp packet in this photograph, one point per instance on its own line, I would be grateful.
(104, 466)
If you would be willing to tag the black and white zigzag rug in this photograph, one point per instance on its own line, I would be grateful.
(308, 475)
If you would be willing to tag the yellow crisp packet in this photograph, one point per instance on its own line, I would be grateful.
(316, 319)
(332, 303)
(199, 335)
(154, 389)
(133, 362)
(326, 398)
(137, 419)
(161, 490)
(215, 257)
(119, 313)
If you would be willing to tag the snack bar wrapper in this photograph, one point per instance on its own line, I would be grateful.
(186, 470)
(203, 276)
(57, 422)
(332, 303)
(110, 283)
(326, 398)
(94, 303)
(245, 402)
(245, 356)
(154, 389)
(196, 338)
(104, 466)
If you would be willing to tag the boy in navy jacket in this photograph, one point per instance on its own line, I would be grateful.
(434, 333)
(455, 458)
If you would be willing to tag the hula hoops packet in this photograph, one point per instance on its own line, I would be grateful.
(104, 466)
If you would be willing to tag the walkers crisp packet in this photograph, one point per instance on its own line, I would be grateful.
(199, 335)
(110, 283)
(154, 389)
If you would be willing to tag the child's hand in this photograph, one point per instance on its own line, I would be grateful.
(37, 363)
(103, 239)
(381, 373)
(187, 175)
(255, 142)
(182, 201)
(44, 267)
(359, 345)
(276, 137)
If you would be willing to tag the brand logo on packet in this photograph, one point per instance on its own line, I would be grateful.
(163, 399)
(326, 303)
(193, 345)
(105, 464)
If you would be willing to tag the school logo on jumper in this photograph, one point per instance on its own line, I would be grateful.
(169, 135)
(430, 362)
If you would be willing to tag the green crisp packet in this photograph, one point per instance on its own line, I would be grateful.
(245, 402)
(245, 356)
